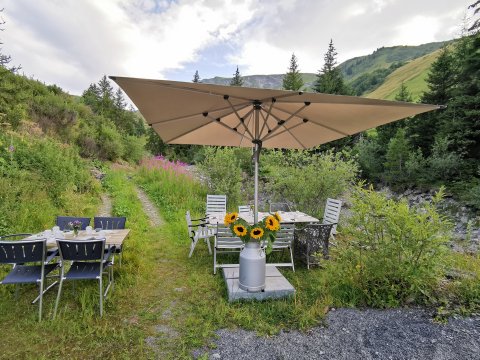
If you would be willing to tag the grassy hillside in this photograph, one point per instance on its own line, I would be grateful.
(385, 56)
(413, 74)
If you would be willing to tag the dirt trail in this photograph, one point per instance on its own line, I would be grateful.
(150, 209)
(106, 207)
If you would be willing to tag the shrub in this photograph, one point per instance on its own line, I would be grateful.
(222, 170)
(393, 254)
(306, 179)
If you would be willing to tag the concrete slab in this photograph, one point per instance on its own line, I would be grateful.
(276, 285)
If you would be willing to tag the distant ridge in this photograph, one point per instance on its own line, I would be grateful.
(381, 58)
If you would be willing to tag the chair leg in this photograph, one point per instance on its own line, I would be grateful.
(291, 258)
(40, 302)
(192, 246)
(207, 240)
(101, 295)
(58, 297)
(214, 261)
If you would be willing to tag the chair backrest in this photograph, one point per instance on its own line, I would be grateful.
(216, 204)
(285, 235)
(18, 252)
(225, 238)
(244, 209)
(332, 213)
(109, 223)
(83, 250)
(280, 206)
(316, 235)
(63, 222)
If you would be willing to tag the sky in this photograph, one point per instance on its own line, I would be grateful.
(73, 43)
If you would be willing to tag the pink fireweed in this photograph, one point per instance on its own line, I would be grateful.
(160, 162)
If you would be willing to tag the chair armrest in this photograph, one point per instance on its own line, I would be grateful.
(204, 218)
(197, 225)
(52, 254)
(109, 253)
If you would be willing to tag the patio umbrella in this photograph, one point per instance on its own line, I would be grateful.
(206, 114)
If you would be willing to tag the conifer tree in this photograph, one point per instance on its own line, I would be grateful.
(403, 94)
(6, 59)
(330, 78)
(292, 80)
(196, 77)
(237, 79)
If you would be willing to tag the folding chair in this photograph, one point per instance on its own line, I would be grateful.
(310, 240)
(30, 265)
(63, 222)
(284, 240)
(197, 231)
(89, 260)
(216, 204)
(111, 223)
(332, 214)
(225, 243)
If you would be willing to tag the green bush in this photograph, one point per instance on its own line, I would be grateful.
(306, 179)
(133, 148)
(222, 169)
(393, 253)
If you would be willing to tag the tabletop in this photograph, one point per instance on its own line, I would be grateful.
(112, 237)
(287, 217)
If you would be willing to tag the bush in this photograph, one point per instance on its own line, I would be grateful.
(307, 180)
(222, 170)
(393, 254)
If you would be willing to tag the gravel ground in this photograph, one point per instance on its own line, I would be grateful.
(355, 334)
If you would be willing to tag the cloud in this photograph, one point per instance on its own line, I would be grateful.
(73, 43)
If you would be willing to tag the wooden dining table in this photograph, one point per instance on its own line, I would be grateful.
(112, 237)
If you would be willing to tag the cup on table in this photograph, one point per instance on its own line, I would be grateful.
(56, 229)
(48, 233)
(89, 230)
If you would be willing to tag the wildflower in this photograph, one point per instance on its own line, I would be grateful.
(11, 148)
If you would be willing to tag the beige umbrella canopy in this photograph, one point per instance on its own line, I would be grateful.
(205, 114)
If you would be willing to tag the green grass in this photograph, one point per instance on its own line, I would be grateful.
(413, 74)
(164, 304)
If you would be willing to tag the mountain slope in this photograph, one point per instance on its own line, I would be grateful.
(384, 57)
(413, 74)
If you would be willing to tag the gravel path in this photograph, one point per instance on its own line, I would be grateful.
(149, 208)
(355, 334)
(106, 207)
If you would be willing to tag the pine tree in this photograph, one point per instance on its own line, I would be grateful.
(237, 79)
(397, 155)
(196, 77)
(6, 59)
(330, 78)
(292, 80)
(403, 94)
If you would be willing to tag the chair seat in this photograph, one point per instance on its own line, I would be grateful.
(80, 270)
(23, 274)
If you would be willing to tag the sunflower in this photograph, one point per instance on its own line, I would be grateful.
(277, 216)
(230, 218)
(256, 233)
(240, 230)
(271, 223)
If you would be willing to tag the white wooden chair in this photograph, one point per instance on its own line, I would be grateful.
(284, 240)
(198, 229)
(332, 214)
(244, 209)
(216, 204)
(225, 243)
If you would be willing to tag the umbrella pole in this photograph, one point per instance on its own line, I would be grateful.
(256, 156)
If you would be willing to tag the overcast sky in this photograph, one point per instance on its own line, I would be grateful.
(72, 43)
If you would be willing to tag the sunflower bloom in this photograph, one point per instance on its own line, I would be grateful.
(277, 216)
(256, 233)
(230, 218)
(271, 223)
(240, 230)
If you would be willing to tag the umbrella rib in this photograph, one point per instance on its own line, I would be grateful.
(238, 116)
(296, 93)
(288, 130)
(264, 124)
(241, 106)
(283, 122)
(246, 127)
